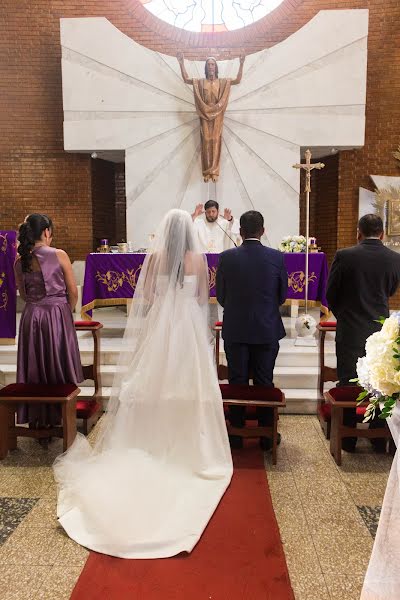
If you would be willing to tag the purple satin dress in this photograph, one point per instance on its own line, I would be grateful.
(48, 350)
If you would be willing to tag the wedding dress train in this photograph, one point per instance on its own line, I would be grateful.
(382, 580)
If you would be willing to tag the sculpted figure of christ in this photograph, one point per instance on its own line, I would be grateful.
(211, 96)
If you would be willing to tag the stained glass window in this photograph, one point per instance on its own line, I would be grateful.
(210, 15)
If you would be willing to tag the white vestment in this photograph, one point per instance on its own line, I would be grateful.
(215, 237)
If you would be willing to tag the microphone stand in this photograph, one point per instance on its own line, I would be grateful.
(226, 233)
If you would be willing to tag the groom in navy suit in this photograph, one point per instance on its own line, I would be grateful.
(252, 283)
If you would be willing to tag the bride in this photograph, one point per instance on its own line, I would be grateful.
(161, 461)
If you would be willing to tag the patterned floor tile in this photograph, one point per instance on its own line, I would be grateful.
(32, 546)
(370, 516)
(21, 582)
(60, 582)
(12, 512)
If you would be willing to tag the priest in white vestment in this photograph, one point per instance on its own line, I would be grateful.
(215, 232)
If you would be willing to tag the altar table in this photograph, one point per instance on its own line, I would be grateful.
(110, 279)
(317, 280)
(8, 291)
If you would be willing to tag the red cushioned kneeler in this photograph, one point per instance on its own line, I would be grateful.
(86, 408)
(87, 324)
(38, 389)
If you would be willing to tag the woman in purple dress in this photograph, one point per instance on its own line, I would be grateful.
(48, 349)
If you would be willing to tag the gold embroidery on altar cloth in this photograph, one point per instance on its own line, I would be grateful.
(132, 275)
(297, 281)
(4, 295)
(115, 279)
(212, 276)
(4, 243)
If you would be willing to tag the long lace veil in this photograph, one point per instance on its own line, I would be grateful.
(173, 257)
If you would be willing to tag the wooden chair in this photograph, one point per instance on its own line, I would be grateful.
(324, 374)
(251, 397)
(15, 393)
(90, 408)
(346, 397)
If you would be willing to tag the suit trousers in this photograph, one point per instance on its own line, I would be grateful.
(256, 361)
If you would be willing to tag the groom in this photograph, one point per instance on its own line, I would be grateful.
(251, 285)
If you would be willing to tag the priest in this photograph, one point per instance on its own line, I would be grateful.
(215, 232)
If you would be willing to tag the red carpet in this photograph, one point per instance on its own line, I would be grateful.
(239, 556)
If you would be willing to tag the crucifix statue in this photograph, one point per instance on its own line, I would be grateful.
(211, 96)
(308, 166)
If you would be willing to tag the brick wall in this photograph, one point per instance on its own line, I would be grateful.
(37, 175)
(323, 204)
(103, 201)
(55, 183)
(120, 203)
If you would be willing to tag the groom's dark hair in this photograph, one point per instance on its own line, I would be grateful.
(251, 224)
(370, 225)
(211, 204)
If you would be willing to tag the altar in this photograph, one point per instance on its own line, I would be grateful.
(110, 279)
(8, 291)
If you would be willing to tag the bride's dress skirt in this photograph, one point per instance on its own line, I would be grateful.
(382, 580)
(165, 463)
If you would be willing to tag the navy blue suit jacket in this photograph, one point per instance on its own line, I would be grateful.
(252, 283)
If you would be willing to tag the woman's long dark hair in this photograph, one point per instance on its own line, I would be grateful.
(30, 231)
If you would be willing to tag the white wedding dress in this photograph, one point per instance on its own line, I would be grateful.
(382, 580)
(162, 460)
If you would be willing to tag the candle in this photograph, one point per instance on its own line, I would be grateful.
(104, 242)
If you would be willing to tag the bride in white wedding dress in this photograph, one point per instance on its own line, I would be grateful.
(161, 461)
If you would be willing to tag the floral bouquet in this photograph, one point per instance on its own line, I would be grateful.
(379, 370)
(293, 243)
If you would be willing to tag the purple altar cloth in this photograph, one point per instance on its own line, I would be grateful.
(317, 279)
(8, 290)
(110, 279)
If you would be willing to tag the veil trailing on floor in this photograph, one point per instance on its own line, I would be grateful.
(161, 460)
(382, 580)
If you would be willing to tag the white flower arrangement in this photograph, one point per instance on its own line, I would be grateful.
(379, 370)
(293, 243)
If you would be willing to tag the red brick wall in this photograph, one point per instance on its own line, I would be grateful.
(120, 203)
(54, 183)
(103, 201)
(37, 175)
(323, 204)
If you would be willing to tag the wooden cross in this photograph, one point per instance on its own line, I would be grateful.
(308, 167)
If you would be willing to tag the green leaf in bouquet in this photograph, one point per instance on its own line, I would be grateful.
(361, 396)
(355, 380)
(380, 320)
